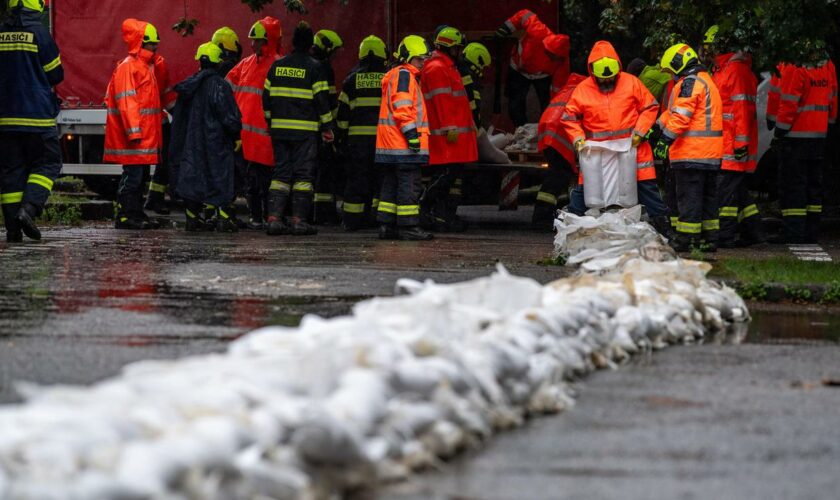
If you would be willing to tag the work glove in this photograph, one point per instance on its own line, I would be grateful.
(414, 145)
(503, 32)
(637, 139)
(327, 136)
(740, 153)
(579, 145)
(771, 124)
(653, 134)
(237, 146)
(660, 151)
(452, 136)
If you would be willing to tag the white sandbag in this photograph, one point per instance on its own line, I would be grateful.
(489, 152)
(609, 173)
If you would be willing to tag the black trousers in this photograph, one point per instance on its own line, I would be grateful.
(399, 201)
(738, 211)
(258, 180)
(326, 183)
(556, 182)
(29, 163)
(162, 176)
(295, 162)
(800, 188)
(516, 90)
(697, 202)
(363, 182)
(443, 195)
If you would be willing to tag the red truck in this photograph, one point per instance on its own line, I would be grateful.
(89, 36)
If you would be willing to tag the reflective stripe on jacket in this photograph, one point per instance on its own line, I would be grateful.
(448, 108)
(133, 101)
(402, 114)
(296, 97)
(360, 101)
(472, 85)
(30, 65)
(738, 88)
(773, 92)
(808, 101)
(629, 108)
(529, 57)
(550, 131)
(693, 122)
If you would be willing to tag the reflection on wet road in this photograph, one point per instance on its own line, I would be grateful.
(86, 301)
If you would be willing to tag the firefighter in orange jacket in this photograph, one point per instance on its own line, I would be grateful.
(402, 144)
(540, 58)
(692, 138)
(807, 106)
(557, 148)
(738, 86)
(612, 104)
(452, 140)
(247, 79)
(133, 134)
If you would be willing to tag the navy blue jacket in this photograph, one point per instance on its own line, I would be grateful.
(206, 123)
(30, 65)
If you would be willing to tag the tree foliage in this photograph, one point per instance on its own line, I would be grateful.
(773, 30)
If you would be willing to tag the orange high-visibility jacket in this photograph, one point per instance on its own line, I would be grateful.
(248, 79)
(773, 92)
(401, 114)
(630, 108)
(693, 122)
(738, 87)
(550, 132)
(529, 58)
(808, 101)
(133, 101)
(168, 96)
(448, 108)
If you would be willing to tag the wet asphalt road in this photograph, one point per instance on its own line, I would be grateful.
(748, 421)
(82, 303)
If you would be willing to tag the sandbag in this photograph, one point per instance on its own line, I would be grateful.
(609, 173)
(488, 152)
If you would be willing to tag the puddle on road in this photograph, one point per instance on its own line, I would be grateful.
(786, 326)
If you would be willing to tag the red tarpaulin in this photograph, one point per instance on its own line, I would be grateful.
(89, 35)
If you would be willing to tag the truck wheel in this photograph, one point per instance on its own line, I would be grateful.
(103, 185)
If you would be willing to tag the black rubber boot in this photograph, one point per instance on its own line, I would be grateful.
(414, 233)
(195, 221)
(13, 231)
(276, 205)
(225, 221)
(130, 213)
(662, 224)
(388, 232)
(156, 202)
(26, 219)
(301, 207)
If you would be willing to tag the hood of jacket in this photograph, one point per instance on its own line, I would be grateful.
(601, 49)
(742, 57)
(274, 33)
(190, 86)
(132, 33)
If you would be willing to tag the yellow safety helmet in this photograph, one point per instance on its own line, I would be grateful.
(210, 52)
(36, 5)
(677, 58)
(605, 67)
(711, 34)
(151, 34)
(372, 46)
(412, 46)
(226, 38)
(449, 37)
(478, 56)
(258, 32)
(328, 40)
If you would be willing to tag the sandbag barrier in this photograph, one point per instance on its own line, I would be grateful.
(335, 405)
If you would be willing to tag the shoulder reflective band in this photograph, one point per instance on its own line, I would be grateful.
(52, 65)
